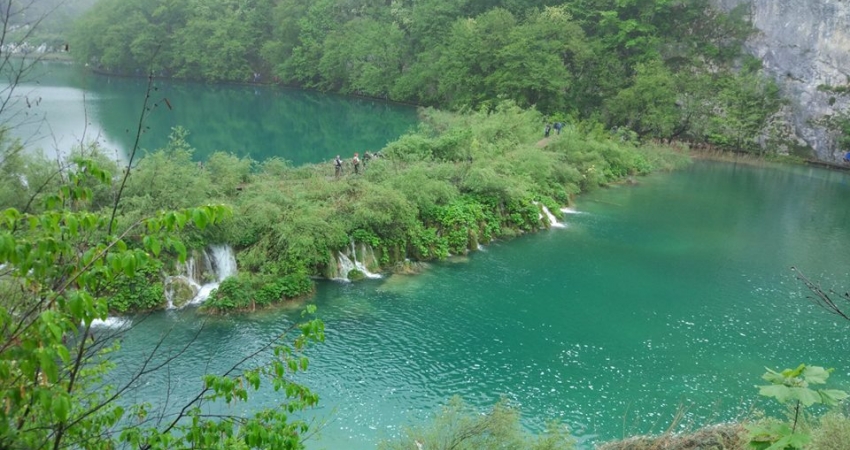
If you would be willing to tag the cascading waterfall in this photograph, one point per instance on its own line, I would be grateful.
(347, 261)
(553, 222)
(345, 265)
(198, 279)
(223, 263)
(359, 264)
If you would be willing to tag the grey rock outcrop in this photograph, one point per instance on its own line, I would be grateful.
(804, 44)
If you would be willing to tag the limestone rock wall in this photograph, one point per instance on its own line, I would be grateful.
(804, 44)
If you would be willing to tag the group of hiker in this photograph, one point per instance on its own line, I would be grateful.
(355, 162)
(548, 128)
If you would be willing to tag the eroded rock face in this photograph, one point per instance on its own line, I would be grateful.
(804, 44)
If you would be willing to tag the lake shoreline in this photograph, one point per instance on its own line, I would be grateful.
(107, 73)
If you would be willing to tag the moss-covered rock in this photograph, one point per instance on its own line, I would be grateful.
(180, 290)
(355, 274)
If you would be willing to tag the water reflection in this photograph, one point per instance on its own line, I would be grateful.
(256, 121)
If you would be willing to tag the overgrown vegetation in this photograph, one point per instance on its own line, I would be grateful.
(457, 182)
(663, 69)
(791, 387)
(459, 427)
(63, 265)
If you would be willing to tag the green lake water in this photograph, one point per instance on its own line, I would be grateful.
(60, 105)
(670, 295)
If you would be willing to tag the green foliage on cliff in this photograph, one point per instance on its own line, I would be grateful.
(655, 67)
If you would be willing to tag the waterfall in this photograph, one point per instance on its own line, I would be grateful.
(348, 261)
(344, 265)
(112, 322)
(553, 222)
(223, 263)
(360, 264)
(197, 279)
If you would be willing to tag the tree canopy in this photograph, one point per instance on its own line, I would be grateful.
(624, 63)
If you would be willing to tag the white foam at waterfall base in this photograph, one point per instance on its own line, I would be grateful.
(220, 259)
(359, 265)
(169, 293)
(570, 211)
(112, 322)
(223, 262)
(365, 271)
(346, 265)
(204, 293)
(553, 222)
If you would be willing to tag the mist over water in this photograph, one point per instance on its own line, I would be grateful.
(670, 295)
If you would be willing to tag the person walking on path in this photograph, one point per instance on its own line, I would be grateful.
(356, 162)
(337, 166)
(547, 129)
(558, 126)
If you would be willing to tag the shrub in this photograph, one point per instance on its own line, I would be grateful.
(143, 290)
(233, 293)
(459, 427)
(832, 432)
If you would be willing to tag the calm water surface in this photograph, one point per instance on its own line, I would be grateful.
(61, 105)
(672, 294)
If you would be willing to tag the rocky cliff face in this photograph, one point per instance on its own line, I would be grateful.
(804, 44)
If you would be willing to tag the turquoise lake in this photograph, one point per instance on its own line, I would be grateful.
(60, 105)
(670, 295)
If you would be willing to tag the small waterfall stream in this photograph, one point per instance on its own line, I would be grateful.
(553, 222)
(347, 261)
(198, 278)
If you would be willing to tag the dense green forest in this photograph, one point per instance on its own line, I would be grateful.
(663, 69)
(41, 22)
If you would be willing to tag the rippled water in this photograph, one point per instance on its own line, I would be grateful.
(667, 296)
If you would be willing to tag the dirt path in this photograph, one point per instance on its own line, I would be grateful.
(543, 142)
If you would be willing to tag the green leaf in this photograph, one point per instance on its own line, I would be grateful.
(831, 397)
(805, 395)
(156, 247)
(816, 375)
(129, 264)
(200, 218)
(63, 354)
(180, 249)
(48, 366)
(780, 392)
(152, 244)
(61, 407)
(181, 219)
